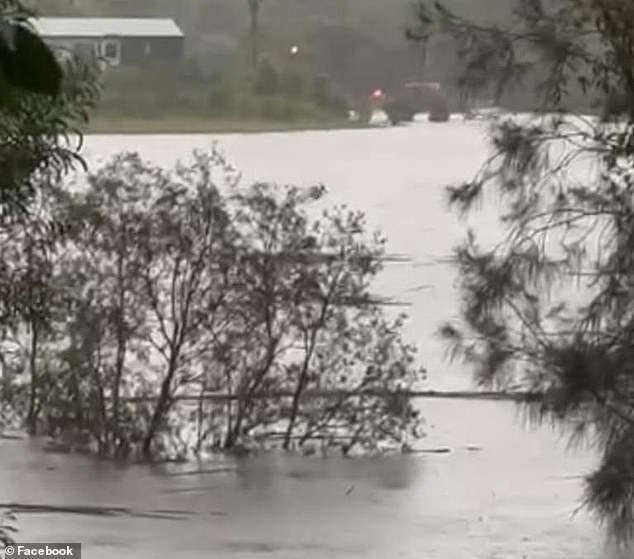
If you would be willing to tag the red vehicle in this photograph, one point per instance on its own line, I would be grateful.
(429, 98)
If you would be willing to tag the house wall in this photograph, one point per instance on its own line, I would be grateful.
(139, 51)
(134, 51)
(84, 45)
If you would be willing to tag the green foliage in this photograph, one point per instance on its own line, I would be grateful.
(40, 142)
(42, 132)
(183, 281)
(42, 101)
(267, 81)
(41, 104)
(358, 43)
(320, 90)
(26, 63)
(292, 84)
(186, 91)
(7, 530)
(570, 233)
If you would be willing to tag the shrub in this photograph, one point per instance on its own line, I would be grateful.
(268, 80)
(320, 90)
(176, 285)
(292, 85)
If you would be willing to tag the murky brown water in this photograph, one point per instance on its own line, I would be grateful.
(513, 498)
(396, 175)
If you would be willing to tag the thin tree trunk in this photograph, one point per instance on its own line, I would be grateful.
(159, 410)
(96, 371)
(33, 392)
(254, 17)
(246, 399)
(121, 351)
(299, 388)
(229, 409)
(303, 375)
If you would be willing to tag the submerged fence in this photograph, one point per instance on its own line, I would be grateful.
(274, 395)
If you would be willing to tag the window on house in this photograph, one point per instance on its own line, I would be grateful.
(111, 52)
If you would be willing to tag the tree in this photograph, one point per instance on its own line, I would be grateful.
(267, 81)
(41, 104)
(31, 87)
(187, 261)
(40, 142)
(35, 296)
(177, 284)
(103, 275)
(308, 324)
(275, 232)
(41, 138)
(254, 32)
(570, 232)
(26, 63)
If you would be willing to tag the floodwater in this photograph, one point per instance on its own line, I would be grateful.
(396, 175)
(503, 491)
(514, 497)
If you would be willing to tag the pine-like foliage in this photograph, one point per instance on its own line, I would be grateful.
(551, 308)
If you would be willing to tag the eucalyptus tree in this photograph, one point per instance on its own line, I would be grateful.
(274, 232)
(337, 287)
(565, 182)
(41, 105)
(102, 271)
(150, 272)
(188, 262)
(184, 281)
(304, 309)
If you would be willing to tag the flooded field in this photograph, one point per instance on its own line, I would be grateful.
(501, 492)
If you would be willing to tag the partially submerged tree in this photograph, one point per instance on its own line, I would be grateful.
(41, 106)
(177, 287)
(40, 142)
(566, 185)
(187, 260)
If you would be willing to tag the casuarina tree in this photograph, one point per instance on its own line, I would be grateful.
(550, 308)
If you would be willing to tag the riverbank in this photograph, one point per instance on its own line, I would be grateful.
(191, 125)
